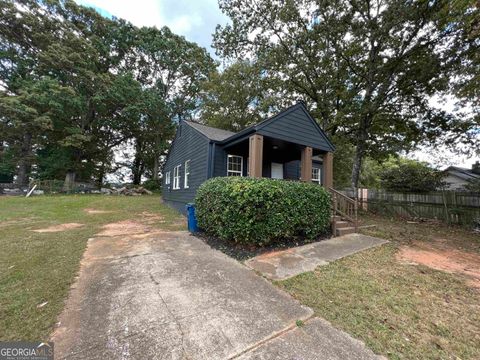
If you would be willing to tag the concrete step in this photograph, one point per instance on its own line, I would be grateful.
(345, 231)
(336, 218)
(342, 224)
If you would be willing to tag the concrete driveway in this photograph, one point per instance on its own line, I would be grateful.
(167, 295)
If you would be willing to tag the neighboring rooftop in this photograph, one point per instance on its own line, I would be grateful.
(463, 173)
(211, 132)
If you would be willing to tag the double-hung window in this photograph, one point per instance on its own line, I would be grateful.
(234, 165)
(316, 175)
(167, 178)
(176, 177)
(187, 174)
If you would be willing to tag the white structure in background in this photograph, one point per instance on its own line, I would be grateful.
(457, 177)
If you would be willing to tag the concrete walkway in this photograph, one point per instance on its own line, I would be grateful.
(167, 295)
(284, 264)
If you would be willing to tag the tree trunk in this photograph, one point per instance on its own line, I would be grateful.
(359, 154)
(24, 164)
(137, 170)
(138, 167)
(22, 173)
(101, 175)
(69, 180)
(156, 167)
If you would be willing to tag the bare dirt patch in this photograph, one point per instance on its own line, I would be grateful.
(443, 258)
(126, 227)
(150, 218)
(20, 221)
(58, 228)
(95, 211)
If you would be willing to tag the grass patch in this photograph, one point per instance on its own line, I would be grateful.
(398, 310)
(404, 232)
(40, 267)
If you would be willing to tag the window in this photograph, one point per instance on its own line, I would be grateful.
(176, 177)
(187, 174)
(234, 165)
(316, 175)
(167, 178)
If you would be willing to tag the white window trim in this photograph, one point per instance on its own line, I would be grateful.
(167, 178)
(187, 174)
(317, 179)
(176, 177)
(241, 165)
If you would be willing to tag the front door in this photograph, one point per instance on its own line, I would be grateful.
(277, 171)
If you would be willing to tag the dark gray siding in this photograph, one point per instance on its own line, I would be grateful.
(188, 144)
(292, 170)
(219, 162)
(297, 127)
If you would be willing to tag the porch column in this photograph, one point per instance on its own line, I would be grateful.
(306, 161)
(255, 153)
(328, 170)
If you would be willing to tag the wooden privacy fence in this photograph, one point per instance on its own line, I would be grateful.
(450, 206)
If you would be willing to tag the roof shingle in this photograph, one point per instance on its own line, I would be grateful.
(211, 132)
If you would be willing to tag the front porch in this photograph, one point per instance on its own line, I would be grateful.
(263, 156)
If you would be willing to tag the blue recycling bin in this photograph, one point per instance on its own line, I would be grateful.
(191, 218)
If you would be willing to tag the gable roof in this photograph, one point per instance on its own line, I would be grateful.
(462, 173)
(298, 108)
(225, 137)
(211, 133)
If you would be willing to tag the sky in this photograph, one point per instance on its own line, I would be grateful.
(196, 20)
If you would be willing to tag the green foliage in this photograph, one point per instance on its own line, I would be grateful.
(366, 69)
(343, 162)
(260, 211)
(76, 85)
(237, 97)
(404, 175)
(152, 184)
(473, 186)
(7, 166)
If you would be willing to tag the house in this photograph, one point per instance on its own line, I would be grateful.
(457, 177)
(290, 145)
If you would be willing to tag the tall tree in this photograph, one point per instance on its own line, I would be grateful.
(236, 97)
(170, 70)
(21, 123)
(367, 69)
(75, 85)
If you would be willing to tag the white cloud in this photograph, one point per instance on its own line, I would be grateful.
(140, 12)
(196, 20)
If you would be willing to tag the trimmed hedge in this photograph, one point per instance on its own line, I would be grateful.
(260, 211)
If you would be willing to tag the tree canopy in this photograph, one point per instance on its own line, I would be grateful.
(74, 85)
(236, 97)
(405, 175)
(368, 70)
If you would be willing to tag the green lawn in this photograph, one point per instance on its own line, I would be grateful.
(401, 311)
(40, 267)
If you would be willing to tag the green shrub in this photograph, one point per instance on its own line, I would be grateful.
(152, 184)
(260, 211)
(406, 175)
